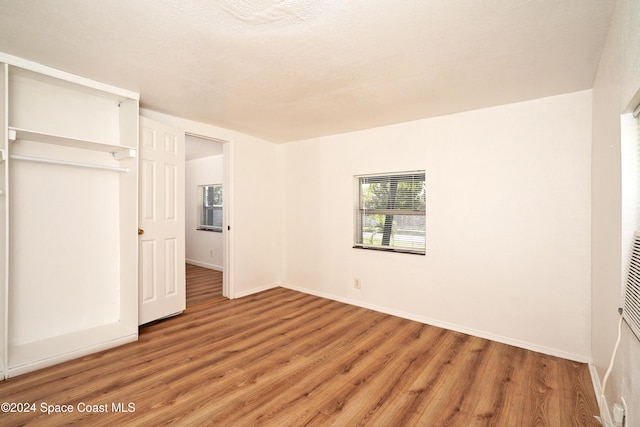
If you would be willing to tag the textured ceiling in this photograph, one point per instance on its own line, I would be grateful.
(294, 69)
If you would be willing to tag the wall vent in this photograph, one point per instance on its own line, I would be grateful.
(631, 311)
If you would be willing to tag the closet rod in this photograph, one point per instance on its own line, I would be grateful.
(64, 162)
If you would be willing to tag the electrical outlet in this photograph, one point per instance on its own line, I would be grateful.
(618, 415)
(211, 253)
(356, 283)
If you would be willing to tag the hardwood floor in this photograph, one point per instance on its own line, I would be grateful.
(203, 285)
(283, 358)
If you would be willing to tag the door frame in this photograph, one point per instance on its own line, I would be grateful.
(207, 131)
(227, 208)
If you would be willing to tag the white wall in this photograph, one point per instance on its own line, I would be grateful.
(252, 205)
(616, 85)
(508, 222)
(203, 248)
(65, 253)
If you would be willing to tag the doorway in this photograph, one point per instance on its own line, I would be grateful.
(204, 234)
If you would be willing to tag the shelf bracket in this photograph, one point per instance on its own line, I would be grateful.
(127, 153)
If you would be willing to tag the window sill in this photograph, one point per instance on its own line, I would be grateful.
(207, 229)
(400, 251)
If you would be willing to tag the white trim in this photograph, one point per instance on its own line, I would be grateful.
(602, 403)
(75, 354)
(228, 279)
(227, 188)
(204, 265)
(4, 310)
(256, 290)
(62, 75)
(446, 325)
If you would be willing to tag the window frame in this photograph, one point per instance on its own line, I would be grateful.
(202, 222)
(361, 212)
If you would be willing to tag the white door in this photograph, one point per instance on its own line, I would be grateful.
(161, 281)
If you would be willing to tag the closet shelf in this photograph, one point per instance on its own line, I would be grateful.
(64, 162)
(121, 152)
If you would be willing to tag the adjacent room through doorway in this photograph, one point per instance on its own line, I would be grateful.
(204, 285)
(204, 202)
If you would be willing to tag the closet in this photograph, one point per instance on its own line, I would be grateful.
(68, 205)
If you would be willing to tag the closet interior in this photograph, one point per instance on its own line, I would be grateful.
(68, 205)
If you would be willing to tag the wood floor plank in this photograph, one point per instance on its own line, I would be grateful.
(574, 377)
(204, 285)
(540, 412)
(283, 358)
(350, 373)
(499, 402)
(335, 360)
(414, 397)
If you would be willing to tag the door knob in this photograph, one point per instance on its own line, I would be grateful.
(140, 231)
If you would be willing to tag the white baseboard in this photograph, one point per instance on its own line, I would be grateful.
(204, 264)
(255, 290)
(446, 325)
(71, 355)
(602, 402)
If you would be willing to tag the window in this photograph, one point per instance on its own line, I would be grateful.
(210, 207)
(390, 212)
